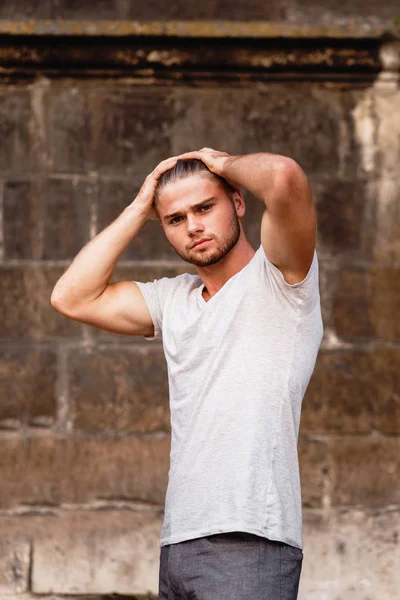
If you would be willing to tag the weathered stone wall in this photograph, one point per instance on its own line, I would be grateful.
(84, 418)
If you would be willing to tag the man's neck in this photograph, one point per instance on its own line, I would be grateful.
(215, 276)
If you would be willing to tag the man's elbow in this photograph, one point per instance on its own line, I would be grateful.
(290, 183)
(56, 304)
(59, 305)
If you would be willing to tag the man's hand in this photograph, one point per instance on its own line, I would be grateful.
(145, 197)
(213, 159)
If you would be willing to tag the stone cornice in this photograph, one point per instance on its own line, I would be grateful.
(199, 29)
(192, 50)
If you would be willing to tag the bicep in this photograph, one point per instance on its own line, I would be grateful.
(289, 227)
(121, 308)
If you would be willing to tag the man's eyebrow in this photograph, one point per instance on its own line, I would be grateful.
(177, 214)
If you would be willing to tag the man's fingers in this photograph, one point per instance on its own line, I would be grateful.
(193, 154)
(165, 165)
(166, 162)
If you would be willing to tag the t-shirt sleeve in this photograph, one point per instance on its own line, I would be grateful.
(301, 297)
(155, 294)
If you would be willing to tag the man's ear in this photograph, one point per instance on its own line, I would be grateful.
(238, 201)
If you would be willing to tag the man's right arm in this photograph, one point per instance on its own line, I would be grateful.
(83, 292)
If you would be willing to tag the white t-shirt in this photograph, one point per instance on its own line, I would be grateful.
(238, 368)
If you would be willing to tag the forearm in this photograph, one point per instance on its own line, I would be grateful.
(262, 174)
(89, 273)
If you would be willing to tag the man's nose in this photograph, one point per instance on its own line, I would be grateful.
(194, 224)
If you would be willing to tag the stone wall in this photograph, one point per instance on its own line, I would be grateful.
(85, 114)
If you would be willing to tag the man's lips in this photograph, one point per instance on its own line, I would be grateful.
(200, 242)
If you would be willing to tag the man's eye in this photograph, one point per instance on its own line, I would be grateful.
(174, 219)
(206, 206)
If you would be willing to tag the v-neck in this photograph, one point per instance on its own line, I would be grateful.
(201, 288)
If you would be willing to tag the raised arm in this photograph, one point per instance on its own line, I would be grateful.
(83, 292)
(289, 223)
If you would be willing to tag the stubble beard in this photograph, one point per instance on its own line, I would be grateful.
(214, 255)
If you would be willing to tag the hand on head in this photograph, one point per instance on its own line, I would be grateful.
(145, 197)
(213, 159)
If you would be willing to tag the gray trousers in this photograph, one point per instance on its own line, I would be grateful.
(229, 566)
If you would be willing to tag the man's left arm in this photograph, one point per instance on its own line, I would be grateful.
(289, 222)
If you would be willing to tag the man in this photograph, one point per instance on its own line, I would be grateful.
(241, 339)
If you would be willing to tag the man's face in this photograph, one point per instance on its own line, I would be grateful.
(197, 208)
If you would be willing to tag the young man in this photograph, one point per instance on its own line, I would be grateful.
(241, 339)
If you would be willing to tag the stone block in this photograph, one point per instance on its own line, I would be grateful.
(77, 10)
(338, 398)
(48, 219)
(386, 107)
(27, 386)
(327, 12)
(328, 278)
(313, 468)
(21, 218)
(209, 10)
(353, 392)
(130, 130)
(303, 123)
(82, 470)
(25, 309)
(350, 311)
(364, 470)
(377, 129)
(384, 300)
(345, 218)
(209, 117)
(367, 303)
(98, 552)
(103, 550)
(352, 554)
(26, 9)
(178, 10)
(67, 206)
(385, 195)
(385, 380)
(119, 390)
(14, 563)
(69, 127)
(17, 127)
